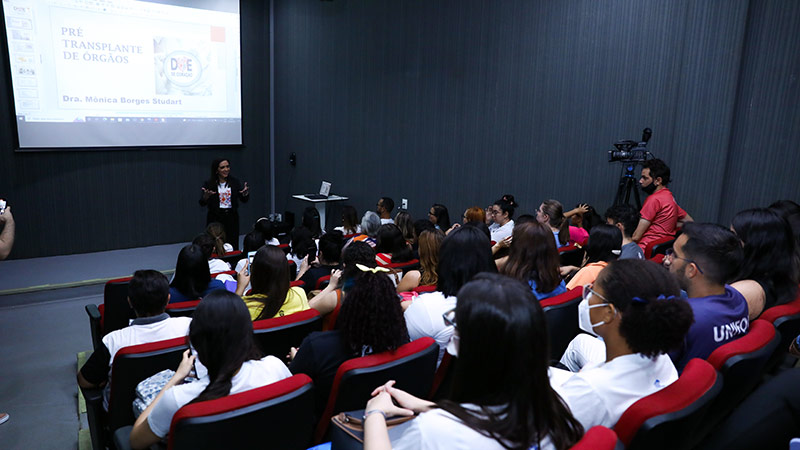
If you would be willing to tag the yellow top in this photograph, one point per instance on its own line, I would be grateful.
(296, 301)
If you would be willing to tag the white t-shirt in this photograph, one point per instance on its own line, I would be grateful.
(217, 265)
(159, 328)
(273, 241)
(499, 233)
(251, 375)
(358, 229)
(600, 393)
(385, 221)
(224, 190)
(424, 318)
(438, 429)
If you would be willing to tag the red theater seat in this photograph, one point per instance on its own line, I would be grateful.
(277, 335)
(561, 312)
(412, 366)
(668, 418)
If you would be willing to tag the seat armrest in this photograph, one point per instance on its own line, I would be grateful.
(95, 415)
(94, 325)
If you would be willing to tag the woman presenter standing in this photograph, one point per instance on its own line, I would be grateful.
(222, 194)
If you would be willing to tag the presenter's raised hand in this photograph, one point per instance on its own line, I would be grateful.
(246, 191)
(207, 193)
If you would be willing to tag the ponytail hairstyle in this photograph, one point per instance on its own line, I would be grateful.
(217, 232)
(496, 311)
(655, 319)
(270, 277)
(371, 319)
(507, 205)
(533, 256)
(555, 211)
(265, 227)
(429, 243)
(222, 334)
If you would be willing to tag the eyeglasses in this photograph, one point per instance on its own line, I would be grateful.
(495, 212)
(588, 291)
(449, 318)
(670, 253)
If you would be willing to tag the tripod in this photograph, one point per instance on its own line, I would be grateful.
(628, 184)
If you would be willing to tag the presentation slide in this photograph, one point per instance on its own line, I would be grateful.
(115, 73)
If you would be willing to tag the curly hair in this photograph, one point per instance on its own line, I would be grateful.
(654, 318)
(371, 315)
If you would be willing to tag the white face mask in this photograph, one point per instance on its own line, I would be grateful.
(584, 319)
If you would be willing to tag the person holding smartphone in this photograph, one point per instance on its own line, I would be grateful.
(221, 193)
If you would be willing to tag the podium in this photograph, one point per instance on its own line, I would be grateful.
(321, 204)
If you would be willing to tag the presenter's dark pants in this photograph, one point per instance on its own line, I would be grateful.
(229, 218)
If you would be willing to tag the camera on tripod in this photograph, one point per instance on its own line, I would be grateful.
(631, 151)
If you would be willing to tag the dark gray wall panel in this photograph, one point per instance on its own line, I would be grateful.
(764, 158)
(461, 101)
(75, 202)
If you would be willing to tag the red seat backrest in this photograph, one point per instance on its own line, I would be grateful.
(665, 419)
(758, 336)
(350, 388)
(648, 250)
(283, 409)
(423, 289)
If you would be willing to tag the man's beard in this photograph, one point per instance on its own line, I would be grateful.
(649, 189)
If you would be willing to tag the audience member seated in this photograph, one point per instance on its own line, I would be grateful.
(626, 218)
(370, 321)
(501, 333)
(311, 222)
(605, 242)
(301, 245)
(420, 226)
(328, 256)
(439, 217)
(369, 229)
(660, 215)
(217, 232)
(392, 246)
(405, 222)
(148, 294)
(222, 335)
(384, 210)
(463, 254)
(350, 223)
(192, 279)
(769, 258)
(578, 227)
(429, 243)
(635, 307)
(206, 244)
(271, 295)
(551, 213)
(533, 259)
(703, 259)
(264, 225)
(253, 241)
(474, 214)
(790, 211)
(333, 295)
(502, 218)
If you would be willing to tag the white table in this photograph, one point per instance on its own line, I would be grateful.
(321, 204)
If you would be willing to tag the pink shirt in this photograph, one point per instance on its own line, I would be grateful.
(663, 213)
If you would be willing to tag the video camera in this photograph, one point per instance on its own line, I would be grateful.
(631, 151)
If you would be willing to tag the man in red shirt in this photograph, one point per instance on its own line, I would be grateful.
(660, 216)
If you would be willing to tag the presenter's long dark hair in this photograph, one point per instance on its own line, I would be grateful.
(214, 180)
(222, 334)
(191, 272)
(494, 312)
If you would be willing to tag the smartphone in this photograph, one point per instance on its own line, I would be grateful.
(250, 256)
(2, 205)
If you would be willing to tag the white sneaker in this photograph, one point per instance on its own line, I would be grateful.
(4, 417)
